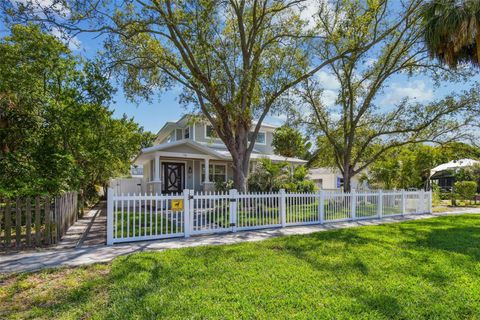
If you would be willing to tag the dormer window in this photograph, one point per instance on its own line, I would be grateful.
(261, 137)
(186, 133)
(210, 132)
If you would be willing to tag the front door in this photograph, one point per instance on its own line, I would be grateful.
(173, 177)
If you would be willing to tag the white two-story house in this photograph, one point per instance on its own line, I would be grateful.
(187, 155)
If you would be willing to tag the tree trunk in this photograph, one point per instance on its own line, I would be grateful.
(347, 178)
(240, 171)
(477, 38)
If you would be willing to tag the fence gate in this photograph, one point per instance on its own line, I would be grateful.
(153, 216)
(211, 212)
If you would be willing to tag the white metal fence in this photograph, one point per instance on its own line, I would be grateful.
(153, 216)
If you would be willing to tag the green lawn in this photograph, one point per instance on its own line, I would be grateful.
(428, 269)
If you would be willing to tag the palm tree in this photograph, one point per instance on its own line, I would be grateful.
(452, 31)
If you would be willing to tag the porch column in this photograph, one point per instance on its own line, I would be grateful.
(207, 170)
(157, 168)
(207, 184)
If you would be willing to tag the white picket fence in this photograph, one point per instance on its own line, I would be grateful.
(153, 216)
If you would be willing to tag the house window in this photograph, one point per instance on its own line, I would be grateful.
(179, 134)
(171, 137)
(260, 137)
(186, 133)
(210, 132)
(217, 172)
(339, 182)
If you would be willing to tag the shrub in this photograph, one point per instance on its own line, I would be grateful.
(268, 176)
(465, 190)
(223, 186)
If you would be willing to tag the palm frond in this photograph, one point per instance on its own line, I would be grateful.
(452, 30)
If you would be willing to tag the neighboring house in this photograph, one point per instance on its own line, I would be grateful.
(132, 184)
(331, 179)
(187, 155)
(444, 174)
(136, 171)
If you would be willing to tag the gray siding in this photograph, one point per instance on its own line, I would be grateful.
(262, 148)
(183, 149)
(197, 133)
(189, 176)
(197, 175)
(146, 171)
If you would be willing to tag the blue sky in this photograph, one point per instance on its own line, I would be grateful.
(165, 107)
(152, 115)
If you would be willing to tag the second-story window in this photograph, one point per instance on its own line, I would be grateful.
(186, 133)
(210, 132)
(260, 137)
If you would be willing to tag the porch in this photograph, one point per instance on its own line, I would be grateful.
(173, 167)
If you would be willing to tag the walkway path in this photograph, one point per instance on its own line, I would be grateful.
(30, 261)
(88, 230)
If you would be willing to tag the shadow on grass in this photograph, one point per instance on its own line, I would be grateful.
(380, 271)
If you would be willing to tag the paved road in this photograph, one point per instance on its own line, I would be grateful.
(83, 255)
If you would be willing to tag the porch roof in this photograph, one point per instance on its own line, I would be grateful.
(199, 151)
(146, 153)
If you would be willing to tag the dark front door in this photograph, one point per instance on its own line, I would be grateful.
(173, 177)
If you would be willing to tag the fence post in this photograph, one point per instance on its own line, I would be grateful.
(421, 198)
(430, 201)
(110, 216)
(353, 199)
(380, 204)
(233, 209)
(191, 203)
(321, 206)
(186, 213)
(57, 215)
(283, 208)
(403, 202)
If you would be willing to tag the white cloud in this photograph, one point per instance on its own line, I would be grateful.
(38, 5)
(73, 43)
(37, 8)
(328, 81)
(416, 90)
(310, 9)
(370, 62)
(329, 97)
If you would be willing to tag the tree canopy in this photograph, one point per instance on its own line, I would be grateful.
(409, 166)
(356, 129)
(452, 31)
(234, 60)
(289, 142)
(56, 131)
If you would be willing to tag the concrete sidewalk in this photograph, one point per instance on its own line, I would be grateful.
(31, 261)
(85, 228)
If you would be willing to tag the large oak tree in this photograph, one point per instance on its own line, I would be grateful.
(234, 59)
(358, 127)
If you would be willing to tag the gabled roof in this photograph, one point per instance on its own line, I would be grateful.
(216, 153)
(182, 122)
(188, 142)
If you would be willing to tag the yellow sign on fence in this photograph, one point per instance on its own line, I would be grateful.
(177, 205)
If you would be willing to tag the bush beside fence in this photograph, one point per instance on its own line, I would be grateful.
(152, 216)
(36, 221)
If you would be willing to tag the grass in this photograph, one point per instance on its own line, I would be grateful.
(425, 269)
(147, 222)
(144, 223)
(446, 205)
